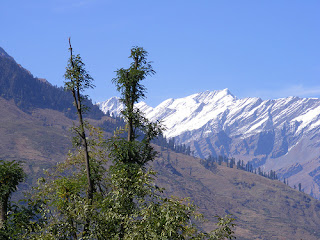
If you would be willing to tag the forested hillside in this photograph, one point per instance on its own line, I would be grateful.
(29, 93)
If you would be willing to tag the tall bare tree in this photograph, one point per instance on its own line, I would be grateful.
(79, 80)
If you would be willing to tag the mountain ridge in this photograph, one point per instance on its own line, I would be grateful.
(28, 92)
(217, 97)
(3, 53)
(272, 134)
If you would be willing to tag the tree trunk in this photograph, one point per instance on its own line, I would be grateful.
(77, 102)
(130, 129)
(84, 142)
(3, 211)
(87, 163)
(130, 105)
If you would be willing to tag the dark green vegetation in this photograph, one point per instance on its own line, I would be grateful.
(263, 208)
(29, 93)
(11, 174)
(211, 162)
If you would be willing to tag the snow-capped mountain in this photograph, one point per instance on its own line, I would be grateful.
(113, 106)
(281, 134)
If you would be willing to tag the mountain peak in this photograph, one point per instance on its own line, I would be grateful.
(215, 95)
(4, 54)
(113, 105)
(225, 92)
(273, 134)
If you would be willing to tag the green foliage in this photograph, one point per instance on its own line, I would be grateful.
(11, 174)
(79, 78)
(224, 229)
(140, 152)
(126, 203)
(128, 83)
(128, 80)
(64, 207)
(22, 219)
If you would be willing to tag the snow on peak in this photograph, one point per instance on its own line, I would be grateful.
(144, 107)
(279, 132)
(112, 105)
(213, 111)
(182, 114)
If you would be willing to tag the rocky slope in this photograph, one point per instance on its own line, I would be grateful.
(280, 134)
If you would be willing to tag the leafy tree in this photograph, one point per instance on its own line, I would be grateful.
(66, 196)
(11, 174)
(125, 203)
(79, 80)
(128, 83)
(59, 207)
(21, 219)
(142, 212)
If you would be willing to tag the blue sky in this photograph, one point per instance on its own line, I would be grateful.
(266, 48)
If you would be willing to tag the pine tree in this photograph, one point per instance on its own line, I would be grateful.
(188, 151)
